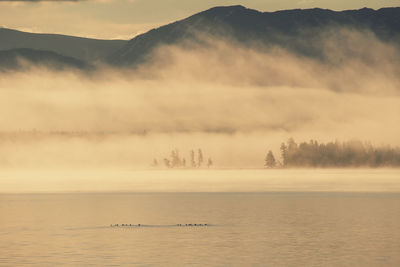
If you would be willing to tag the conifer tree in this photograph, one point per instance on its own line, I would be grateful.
(199, 158)
(209, 162)
(192, 160)
(270, 161)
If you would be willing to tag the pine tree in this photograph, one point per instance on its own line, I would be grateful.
(175, 159)
(284, 154)
(199, 158)
(270, 161)
(209, 162)
(192, 160)
(183, 162)
(167, 163)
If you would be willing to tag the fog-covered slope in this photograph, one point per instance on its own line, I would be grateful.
(23, 58)
(296, 30)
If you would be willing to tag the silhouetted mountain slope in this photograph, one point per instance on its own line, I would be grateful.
(22, 58)
(294, 30)
(81, 48)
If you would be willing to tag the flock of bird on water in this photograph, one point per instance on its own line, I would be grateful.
(179, 224)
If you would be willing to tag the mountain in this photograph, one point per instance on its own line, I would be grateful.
(85, 49)
(22, 58)
(291, 29)
(299, 31)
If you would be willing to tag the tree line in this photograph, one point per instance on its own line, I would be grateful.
(175, 160)
(333, 154)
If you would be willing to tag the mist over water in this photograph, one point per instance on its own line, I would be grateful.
(232, 101)
(223, 180)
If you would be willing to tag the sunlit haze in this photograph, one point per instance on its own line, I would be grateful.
(200, 133)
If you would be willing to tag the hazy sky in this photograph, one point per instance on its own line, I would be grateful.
(127, 18)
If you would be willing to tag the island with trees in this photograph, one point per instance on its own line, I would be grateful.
(333, 155)
(175, 160)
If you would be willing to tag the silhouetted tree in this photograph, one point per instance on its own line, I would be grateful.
(199, 158)
(209, 162)
(175, 159)
(167, 163)
(270, 161)
(284, 154)
(192, 160)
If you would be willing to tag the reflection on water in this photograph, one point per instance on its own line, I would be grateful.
(246, 229)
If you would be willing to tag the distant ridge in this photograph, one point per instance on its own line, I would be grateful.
(84, 49)
(290, 29)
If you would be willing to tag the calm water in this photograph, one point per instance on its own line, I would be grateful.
(248, 229)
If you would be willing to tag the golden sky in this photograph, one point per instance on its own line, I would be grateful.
(123, 19)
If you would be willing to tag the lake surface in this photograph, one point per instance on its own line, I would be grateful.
(245, 229)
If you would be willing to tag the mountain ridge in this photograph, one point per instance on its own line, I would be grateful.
(284, 28)
(81, 48)
(294, 30)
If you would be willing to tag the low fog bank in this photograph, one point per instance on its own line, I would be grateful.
(326, 180)
(343, 60)
(232, 101)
